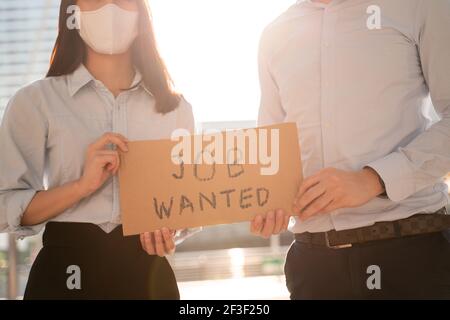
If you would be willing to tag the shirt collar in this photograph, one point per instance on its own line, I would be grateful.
(81, 77)
(78, 79)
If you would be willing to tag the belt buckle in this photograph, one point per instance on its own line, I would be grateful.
(337, 247)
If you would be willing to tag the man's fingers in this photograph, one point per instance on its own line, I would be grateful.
(269, 225)
(256, 225)
(279, 221)
(308, 183)
(316, 206)
(169, 244)
(159, 244)
(273, 223)
(149, 243)
(309, 196)
(286, 222)
(111, 138)
(333, 205)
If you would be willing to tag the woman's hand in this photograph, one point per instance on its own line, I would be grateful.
(272, 223)
(161, 242)
(101, 163)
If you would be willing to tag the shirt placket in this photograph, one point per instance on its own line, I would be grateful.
(119, 126)
(327, 106)
(325, 102)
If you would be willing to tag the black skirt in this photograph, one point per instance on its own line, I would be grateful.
(81, 261)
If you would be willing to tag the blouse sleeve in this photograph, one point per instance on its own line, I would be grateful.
(23, 135)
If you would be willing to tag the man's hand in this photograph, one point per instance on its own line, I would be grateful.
(160, 242)
(272, 223)
(332, 189)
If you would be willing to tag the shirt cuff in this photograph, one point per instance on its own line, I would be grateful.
(397, 175)
(16, 204)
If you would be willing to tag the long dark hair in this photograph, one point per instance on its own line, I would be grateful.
(70, 51)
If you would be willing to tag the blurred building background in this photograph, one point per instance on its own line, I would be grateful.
(27, 33)
(212, 259)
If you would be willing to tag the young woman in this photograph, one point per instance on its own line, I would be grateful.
(106, 84)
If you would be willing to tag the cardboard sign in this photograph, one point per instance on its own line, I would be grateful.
(155, 192)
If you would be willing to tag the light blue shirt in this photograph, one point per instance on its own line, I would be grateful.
(46, 130)
(359, 96)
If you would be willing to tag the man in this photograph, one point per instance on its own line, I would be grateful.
(355, 76)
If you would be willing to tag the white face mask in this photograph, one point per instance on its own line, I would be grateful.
(109, 30)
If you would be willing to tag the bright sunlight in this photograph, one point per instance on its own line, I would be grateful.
(210, 47)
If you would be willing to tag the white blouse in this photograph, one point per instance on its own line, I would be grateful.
(45, 132)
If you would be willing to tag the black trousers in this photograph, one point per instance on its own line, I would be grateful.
(81, 261)
(415, 267)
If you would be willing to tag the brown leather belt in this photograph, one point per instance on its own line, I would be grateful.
(415, 225)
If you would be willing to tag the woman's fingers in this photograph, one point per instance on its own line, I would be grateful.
(107, 152)
(112, 167)
(169, 243)
(109, 159)
(159, 243)
(141, 237)
(150, 248)
(108, 162)
(111, 138)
